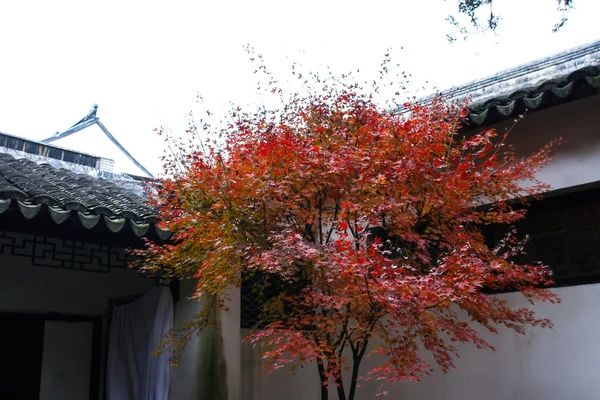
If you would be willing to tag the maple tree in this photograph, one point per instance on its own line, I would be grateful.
(472, 9)
(373, 217)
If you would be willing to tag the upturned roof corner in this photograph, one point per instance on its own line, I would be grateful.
(89, 120)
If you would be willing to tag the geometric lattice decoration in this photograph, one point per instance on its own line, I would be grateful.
(564, 237)
(61, 253)
(567, 240)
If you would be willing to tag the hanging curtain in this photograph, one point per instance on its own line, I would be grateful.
(136, 329)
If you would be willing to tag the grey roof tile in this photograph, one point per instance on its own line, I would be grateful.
(541, 83)
(30, 184)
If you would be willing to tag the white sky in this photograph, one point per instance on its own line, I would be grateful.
(143, 61)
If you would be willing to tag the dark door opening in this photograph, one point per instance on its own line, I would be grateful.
(21, 343)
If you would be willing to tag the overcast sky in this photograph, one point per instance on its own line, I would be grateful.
(143, 62)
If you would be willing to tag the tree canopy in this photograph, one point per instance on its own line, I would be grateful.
(373, 217)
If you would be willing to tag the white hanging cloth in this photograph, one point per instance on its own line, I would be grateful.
(135, 331)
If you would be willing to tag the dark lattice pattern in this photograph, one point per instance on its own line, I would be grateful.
(258, 290)
(565, 235)
(62, 253)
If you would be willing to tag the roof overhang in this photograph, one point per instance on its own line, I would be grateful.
(534, 86)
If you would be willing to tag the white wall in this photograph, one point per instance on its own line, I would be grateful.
(231, 337)
(66, 360)
(26, 288)
(575, 162)
(303, 385)
(545, 364)
(558, 363)
(188, 379)
(211, 366)
(551, 364)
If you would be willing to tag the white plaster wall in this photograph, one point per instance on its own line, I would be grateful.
(545, 364)
(186, 377)
(66, 360)
(232, 345)
(575, 162)
(552, 364)
(549, 364)
(33, 289)
(211, 366)
(282, 384)
(26, 288)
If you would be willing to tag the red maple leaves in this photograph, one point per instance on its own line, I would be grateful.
(296, 195)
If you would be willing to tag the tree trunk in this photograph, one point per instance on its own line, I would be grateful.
(357, 357)
(354, 381)
(339, 384)
(323, 379)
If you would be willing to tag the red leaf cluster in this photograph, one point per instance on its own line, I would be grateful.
(296, 195)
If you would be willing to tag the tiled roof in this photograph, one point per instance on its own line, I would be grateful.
(28, 186)
(538, 94)
(535, 85)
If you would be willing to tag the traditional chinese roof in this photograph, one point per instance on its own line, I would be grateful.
(552, 80)
(92, 119)
(29, 187)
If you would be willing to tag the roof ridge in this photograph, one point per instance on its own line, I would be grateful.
(529, 67)
(532, 85)
(59, 157)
